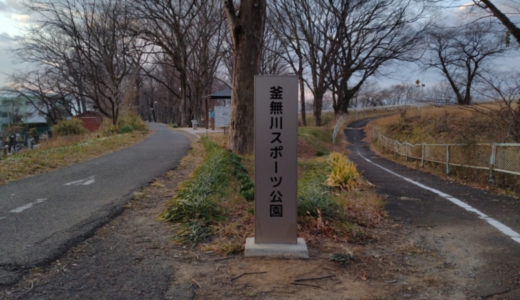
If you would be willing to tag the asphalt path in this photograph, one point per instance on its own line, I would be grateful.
(473, 228)
(43, 216)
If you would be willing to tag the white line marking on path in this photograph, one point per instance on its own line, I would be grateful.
(22, 208)
(515, 236)
(86, 181)
(27, 206)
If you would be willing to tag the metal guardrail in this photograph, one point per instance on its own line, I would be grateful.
(495, 157)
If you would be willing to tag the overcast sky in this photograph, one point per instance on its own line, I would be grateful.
(13, 20)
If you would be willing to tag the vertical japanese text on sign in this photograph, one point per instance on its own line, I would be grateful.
(276, 105)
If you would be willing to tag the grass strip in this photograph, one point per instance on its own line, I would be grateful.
(195, 209)
(62, 152)
(247, 187)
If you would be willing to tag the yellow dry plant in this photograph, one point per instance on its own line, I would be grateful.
(343, 172)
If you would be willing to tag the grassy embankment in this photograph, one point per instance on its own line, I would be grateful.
(453, 125)
(213, 209)
(62, 151)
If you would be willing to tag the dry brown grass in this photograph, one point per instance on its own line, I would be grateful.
(441, 125)
(327, 119)
(62, 151)
(453, 125)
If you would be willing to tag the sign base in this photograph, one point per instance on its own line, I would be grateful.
(298, 250)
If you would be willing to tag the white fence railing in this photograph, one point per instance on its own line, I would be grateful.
(495, 157)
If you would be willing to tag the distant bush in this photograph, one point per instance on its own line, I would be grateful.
(129, 120)
(69, 127)
(125, 129)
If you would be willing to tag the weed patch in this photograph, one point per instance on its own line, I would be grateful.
(343, 174)
(343, 214)
(195, 210)
(73, 126)
(247, 188)
(218, 213)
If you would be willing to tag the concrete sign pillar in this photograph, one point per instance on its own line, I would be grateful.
(276, 142)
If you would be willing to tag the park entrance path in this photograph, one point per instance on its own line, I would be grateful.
(476, 231)
(43, 216)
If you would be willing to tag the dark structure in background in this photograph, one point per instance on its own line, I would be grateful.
(91, 120)
(221, 97)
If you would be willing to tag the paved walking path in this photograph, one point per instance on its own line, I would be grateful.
(475, 229)
(42, 216)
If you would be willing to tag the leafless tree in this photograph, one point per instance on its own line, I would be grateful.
(208, 44)
(512, 28)
(44, 91)
(439, 94)
(158, 101)
(377, 34)
(290, 48)
(312, 34)
(168, 25)
(504, 89)
(272, 60)
(369, 95)
(83, 50)
(399, 94)
(246, 23)
(345, 42)
(187, 37)
(460, 54)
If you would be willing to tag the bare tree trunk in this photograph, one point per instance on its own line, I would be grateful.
(318, 106)
(247, 34)
(513, 29)
(302, 98)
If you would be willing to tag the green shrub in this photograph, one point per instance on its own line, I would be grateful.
(174, 125)
(125, 129)
(314, 199)
(341, 258)
(131, 121)
(73, 126)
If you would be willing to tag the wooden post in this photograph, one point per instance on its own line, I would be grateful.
(206, 118)
(492, 164)
(213, 110)
(422, 155)
(448, 159)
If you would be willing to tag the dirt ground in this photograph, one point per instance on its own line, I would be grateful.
(134, 257)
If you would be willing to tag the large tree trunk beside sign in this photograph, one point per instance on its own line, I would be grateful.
(247, 30)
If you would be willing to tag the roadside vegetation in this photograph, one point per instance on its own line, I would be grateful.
(453, 125)
(72, 144)
(213, 209)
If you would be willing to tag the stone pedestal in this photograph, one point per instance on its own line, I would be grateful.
(298, 250)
